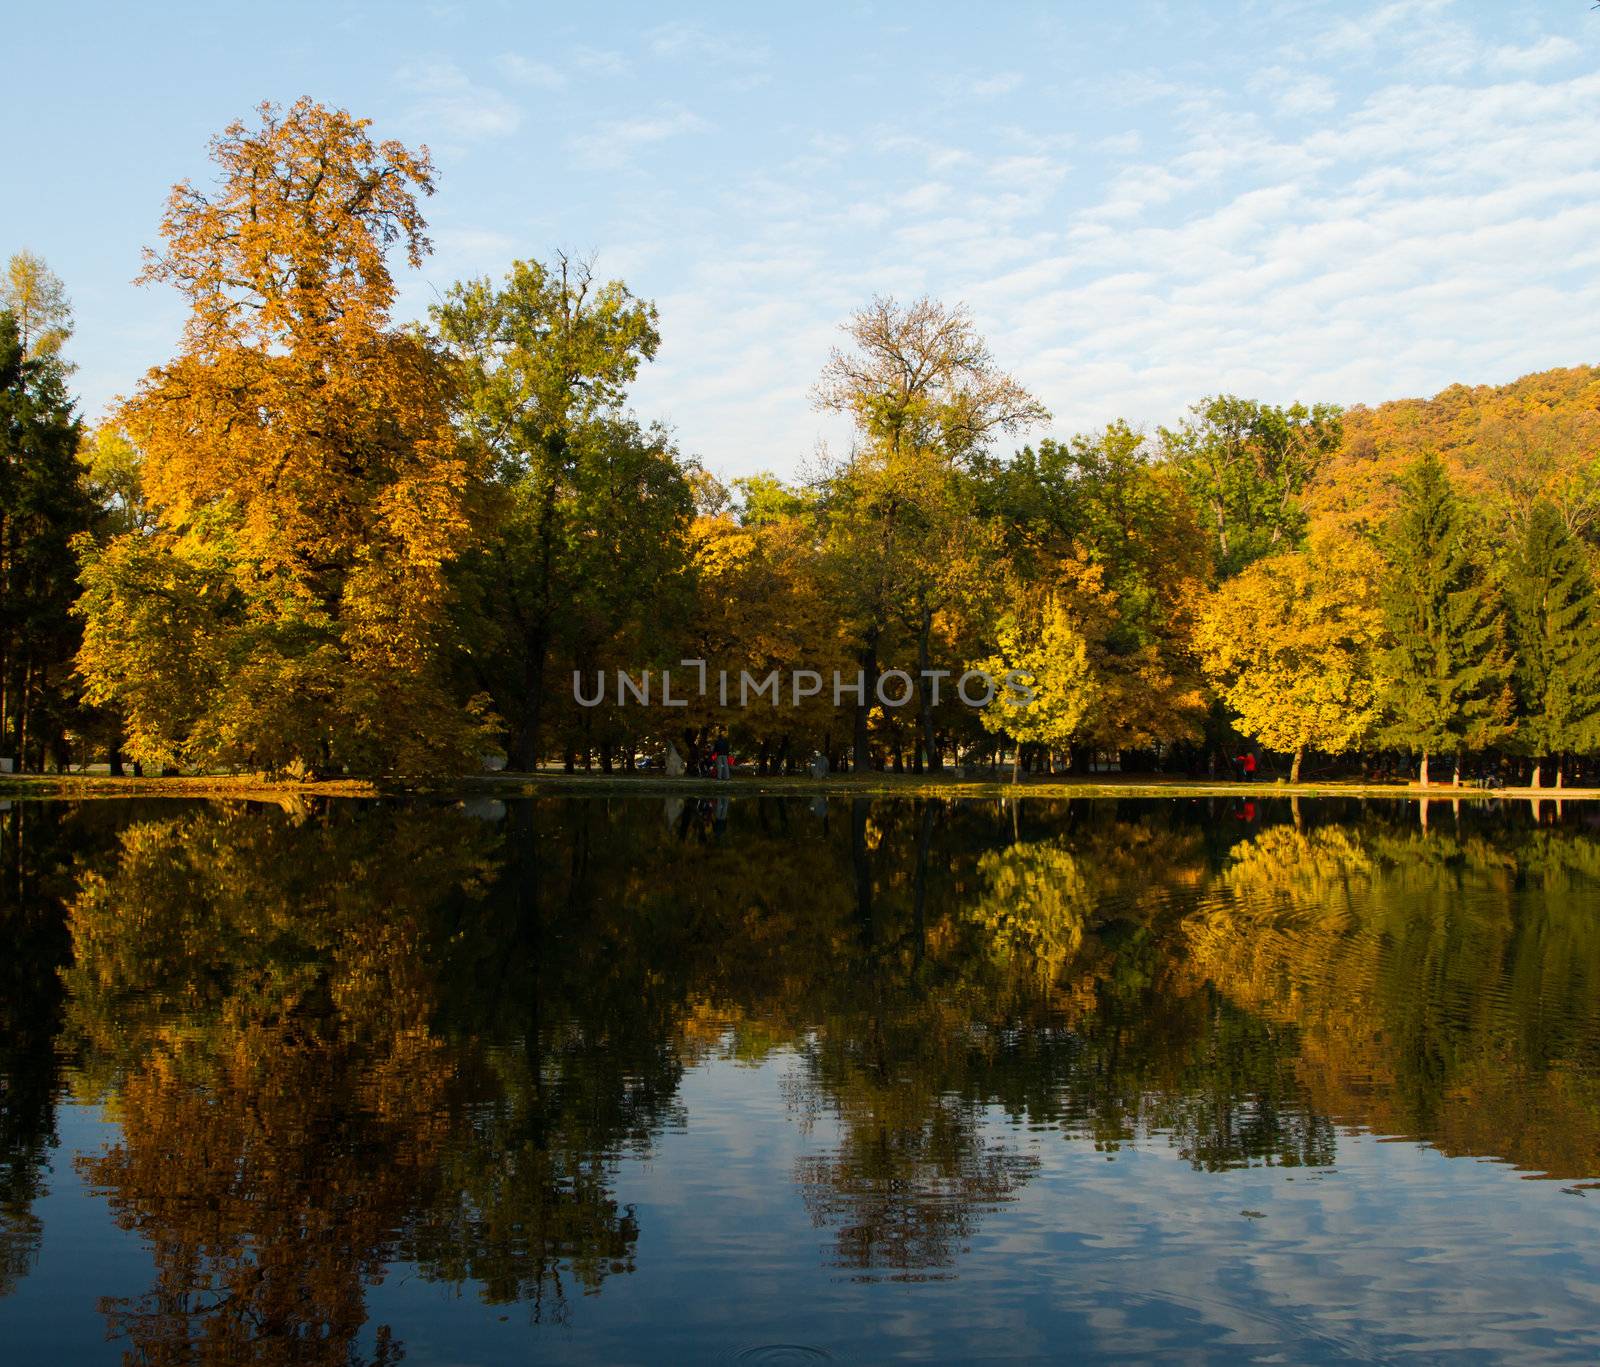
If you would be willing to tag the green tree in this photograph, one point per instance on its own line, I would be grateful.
(1245, 464)
(1555, 635)
(625, 551)
(1445, 676)
(42, 507)
(763, 499)
(544, 360)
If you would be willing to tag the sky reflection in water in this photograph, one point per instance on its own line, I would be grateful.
(634, 1080)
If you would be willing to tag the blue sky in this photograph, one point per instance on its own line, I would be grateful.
(1141, 203)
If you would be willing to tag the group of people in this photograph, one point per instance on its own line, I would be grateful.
(696, 763)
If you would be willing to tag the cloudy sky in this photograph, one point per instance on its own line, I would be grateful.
(1142, 203)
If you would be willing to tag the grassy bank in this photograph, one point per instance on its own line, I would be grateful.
(254, 787)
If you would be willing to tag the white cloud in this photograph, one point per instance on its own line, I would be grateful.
(1548, 51)
(600, 61)
(681, 41)
(525, 71)
(452, 102)
(1121, 144)
(1428, 232)
(990, 87)
(1295, 92)
(614, 143)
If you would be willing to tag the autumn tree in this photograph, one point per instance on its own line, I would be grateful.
(1444, 677)
(1291, 643)
(1046, 684)
(289, 606)
(1554, 625)
(1100, 503)
(926, 397)
(37, 299)
(544, 359)
(42, 507)
(761, 606)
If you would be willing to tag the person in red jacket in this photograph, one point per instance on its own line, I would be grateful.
(1247, 766)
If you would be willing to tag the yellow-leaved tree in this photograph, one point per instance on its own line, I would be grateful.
(286, 606)
(1290, 643)
(1047, 682)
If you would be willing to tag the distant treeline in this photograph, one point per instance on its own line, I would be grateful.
(314, 540)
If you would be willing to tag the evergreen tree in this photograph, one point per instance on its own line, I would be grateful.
(1445, 679)
(41, 508)
(1555, 633)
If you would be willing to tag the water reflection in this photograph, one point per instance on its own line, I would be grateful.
(353, 1035)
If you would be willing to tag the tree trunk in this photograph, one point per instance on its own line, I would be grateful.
(1424, 779)
(867, 659)
(1536, 777)
(1294, 769)
(930, 748)
(1016, 764)
(525, 742)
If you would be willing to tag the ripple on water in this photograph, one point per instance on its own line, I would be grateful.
(778, 1354)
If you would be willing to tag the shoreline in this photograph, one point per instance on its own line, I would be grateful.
(255, 788)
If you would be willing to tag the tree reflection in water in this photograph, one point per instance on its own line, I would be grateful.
(344, 1036)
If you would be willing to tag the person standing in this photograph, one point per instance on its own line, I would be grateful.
(719, 753)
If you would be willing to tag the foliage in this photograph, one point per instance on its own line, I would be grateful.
(1554, 624)
(1290, 644)
(1245, 464)
(307, 488)
(582, 511)
(1096, 511)
(904, 544)
(1047, 683)
(37, 300)
(1444, 676)
(41, 508)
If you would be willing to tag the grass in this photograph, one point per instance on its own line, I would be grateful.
(257, 788)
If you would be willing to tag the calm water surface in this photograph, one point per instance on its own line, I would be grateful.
(642, 1081)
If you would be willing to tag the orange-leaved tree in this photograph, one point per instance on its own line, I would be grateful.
(288, 606)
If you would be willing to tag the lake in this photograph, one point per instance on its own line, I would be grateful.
(772, 1080)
